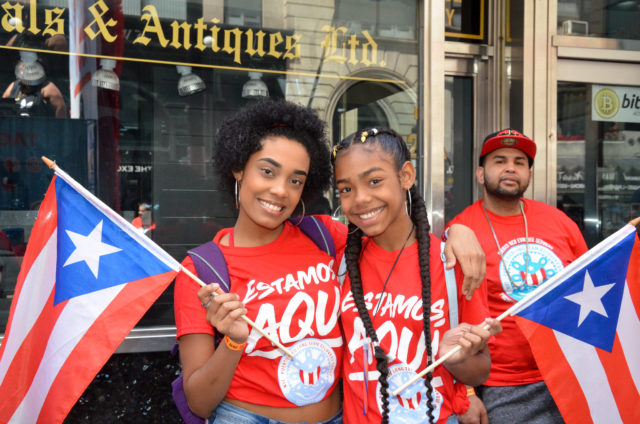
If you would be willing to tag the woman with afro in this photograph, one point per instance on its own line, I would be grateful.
(273, 156)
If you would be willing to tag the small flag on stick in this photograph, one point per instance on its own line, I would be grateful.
(86, 280)
(583, 326)
(87, 277)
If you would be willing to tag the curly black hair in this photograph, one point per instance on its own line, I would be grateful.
(241, 135)
(393, 144)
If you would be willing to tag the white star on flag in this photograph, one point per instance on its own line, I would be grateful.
(590, 298)
(89, 248)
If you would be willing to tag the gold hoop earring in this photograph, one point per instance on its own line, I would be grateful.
(236, 194)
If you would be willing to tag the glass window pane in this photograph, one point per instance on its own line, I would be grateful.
(458, 154)
(130, 108)
(599, 18)
(598, 181)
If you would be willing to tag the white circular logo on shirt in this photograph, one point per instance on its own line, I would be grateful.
(543, 263)
(410, 406)
(306, 378)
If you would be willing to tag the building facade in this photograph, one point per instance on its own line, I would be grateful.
(127, 95)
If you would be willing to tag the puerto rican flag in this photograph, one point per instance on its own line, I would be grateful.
(584, 331)
(87, 277)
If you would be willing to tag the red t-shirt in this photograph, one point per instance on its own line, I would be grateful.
(289, 289)
(137, 222)
(399, 327)
(554, 242)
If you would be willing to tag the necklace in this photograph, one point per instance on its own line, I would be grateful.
(526, 244)
(384, 287)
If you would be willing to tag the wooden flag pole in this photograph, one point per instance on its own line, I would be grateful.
(243, 317)
(51, 164)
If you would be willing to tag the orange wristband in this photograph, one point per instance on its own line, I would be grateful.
(233, 345)
(470, 391)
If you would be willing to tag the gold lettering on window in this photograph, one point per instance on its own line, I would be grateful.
(215, 30)
(274, 40)
(353, 43)
(370, 44)
(16, 16)
(237, 39)
(259, 49)
(333, 51)
(50, 20)
(200, 29)
(175, 39)
(291, 43)
(33, 18)
(152, 26)
(450, 12)
(98, 10)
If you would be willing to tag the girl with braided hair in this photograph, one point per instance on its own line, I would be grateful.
(394, 307)
(273, 155)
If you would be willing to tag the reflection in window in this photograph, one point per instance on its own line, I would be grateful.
(458, 145)
(150, 141)
(609, 19)
(243, 13)
(598, 170)
(384, 18)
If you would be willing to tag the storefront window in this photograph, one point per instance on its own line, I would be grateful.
(609, 19)
(466, 20)
(127, 97)
(458, 145)
(598, 180)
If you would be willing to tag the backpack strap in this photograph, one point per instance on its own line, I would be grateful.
(315, 229)
(317, 232)
(210, 268)
(210, 265)
(452, 289)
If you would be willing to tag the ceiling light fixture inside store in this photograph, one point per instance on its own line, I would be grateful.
(255, 87)
(29, 71)
(189, 83)
(105, 77)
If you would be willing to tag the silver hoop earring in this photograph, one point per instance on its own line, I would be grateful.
(336, 216)
(410, 206)
(354, 230)
(303, 209)
(236, 193)
(301, 217)
(337, 212)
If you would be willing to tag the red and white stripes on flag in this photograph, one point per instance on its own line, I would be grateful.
(584, 332)
(85, 281)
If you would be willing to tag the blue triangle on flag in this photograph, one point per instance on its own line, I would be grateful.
(127, 260)
(607, 273)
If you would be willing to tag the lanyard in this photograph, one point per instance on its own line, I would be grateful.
(526, 235)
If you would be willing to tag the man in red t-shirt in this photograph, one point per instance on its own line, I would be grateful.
(143, 222)
(525, 242)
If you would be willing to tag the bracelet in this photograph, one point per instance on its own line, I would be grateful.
(470, 391)
(233, 345)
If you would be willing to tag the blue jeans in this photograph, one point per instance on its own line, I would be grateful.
(226, 413)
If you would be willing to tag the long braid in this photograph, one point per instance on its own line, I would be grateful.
(421, 221)
(391, 142)
(352, 256)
